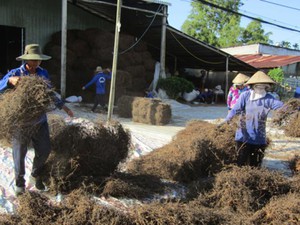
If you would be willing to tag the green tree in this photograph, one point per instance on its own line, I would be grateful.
(276, 74)
(254, 33)
(221, 28)
(285, 44)
(296, 46)
(212, 25)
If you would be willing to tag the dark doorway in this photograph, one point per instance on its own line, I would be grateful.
(11, 46)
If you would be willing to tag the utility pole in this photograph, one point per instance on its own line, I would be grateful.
(162, 72)
(63, 49)
(115, 60)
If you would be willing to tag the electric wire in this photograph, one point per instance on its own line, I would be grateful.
(132, 46)
(192, 53)
(285, 6)
(250, 17)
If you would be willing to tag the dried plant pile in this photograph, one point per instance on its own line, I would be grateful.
(239, 196)
(288, 117)
(76, 208)
(245, 190)
(179, 213)
(280, 210)
(85, 153)
(199, 150)
(23, 106)
(130, 186)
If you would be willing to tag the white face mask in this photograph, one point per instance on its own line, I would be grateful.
(260, 89)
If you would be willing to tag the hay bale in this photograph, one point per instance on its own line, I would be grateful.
(124, 105)
(99, 43)
(245, 189)
(82, 151)
(21, 106)
(280, 210)
(197, 151)
(151, 111)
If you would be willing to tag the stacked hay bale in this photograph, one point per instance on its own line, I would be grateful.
(87, 49)
(144, 110)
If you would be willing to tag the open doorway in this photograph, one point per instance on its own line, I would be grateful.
(12, 40)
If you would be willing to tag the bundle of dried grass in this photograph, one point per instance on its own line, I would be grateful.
(282, 116)
(288, 117)
(23, 106)
(85, 153)
(197, 151)
(294, 164)
(244, 189)
(293, 127)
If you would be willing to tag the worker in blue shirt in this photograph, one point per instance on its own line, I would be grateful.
(99, 79)
(41, 139)
(253, 106)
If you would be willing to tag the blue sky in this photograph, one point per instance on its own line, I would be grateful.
(180, 9)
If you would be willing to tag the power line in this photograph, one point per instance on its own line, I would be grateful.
(285, 6)
(268, 18)
(250, 17)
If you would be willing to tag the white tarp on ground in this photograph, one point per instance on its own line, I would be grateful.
(145, 138)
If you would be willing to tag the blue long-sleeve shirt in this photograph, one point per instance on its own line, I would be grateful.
(21, 71)
(100, 80)
(253, 117)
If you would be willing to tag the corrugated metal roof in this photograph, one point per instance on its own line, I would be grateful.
(268, 61)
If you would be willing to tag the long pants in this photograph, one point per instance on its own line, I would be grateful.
(42, 147)
(249, 154)
(99, 99)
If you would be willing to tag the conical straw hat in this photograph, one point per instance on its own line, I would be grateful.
(260, 78)
(240, 79)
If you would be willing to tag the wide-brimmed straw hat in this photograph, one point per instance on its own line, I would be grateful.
(260, 78)
(33, 52)
(240, 79)
(98, 69)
